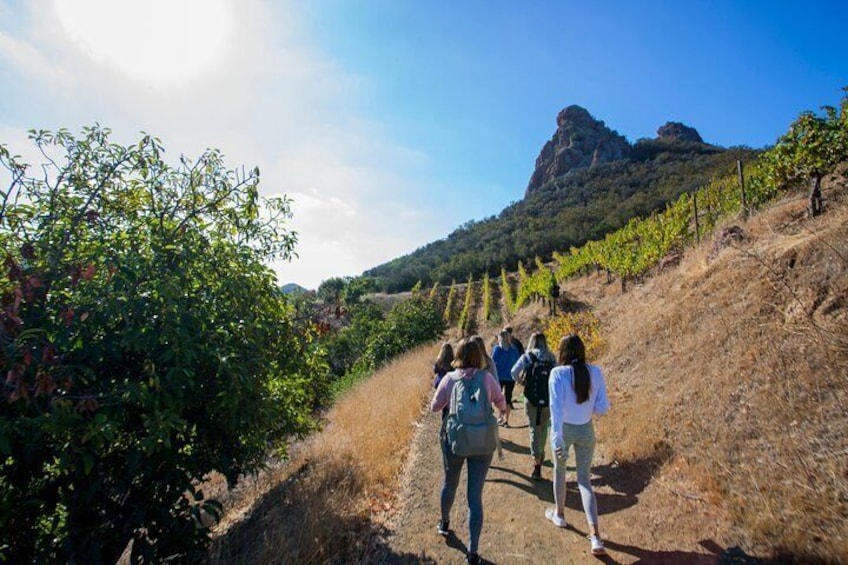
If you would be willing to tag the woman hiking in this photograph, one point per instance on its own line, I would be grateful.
(468, 362)
(442, 366)
(505, 354)
(577, 391)
(536, 364)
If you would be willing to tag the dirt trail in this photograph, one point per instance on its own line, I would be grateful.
(648, 513)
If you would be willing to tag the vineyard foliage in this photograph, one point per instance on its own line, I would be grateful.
(488, 313)
(812, 148)
(448, 312)
(507, 293)
(584, 324)
(143, 343)
(465, 315)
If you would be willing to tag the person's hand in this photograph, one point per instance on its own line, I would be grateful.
(559, 451)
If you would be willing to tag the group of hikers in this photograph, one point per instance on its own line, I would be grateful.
(562, 392)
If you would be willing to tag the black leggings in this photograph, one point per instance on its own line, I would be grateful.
(507, 387)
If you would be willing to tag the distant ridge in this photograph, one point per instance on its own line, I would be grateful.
(588, 180)
(581, 141)
(293, 288)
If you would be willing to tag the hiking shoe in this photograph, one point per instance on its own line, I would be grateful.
(597, 545)
(472, 558)
(536, 475)
(559, 521)
(443, 527)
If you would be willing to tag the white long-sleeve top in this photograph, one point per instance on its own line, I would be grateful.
(564, 407)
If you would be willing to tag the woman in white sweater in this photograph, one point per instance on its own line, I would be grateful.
(577, 391)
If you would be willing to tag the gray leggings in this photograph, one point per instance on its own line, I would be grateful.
(478, 467)
(538, 434)
(582, 437)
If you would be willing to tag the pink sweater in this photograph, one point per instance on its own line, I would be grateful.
(442, 396)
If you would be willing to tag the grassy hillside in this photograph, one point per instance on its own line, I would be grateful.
(583, 205)
(728, 370)
(734, 365)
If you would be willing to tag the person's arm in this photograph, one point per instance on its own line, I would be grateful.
(519, 366)
(557, 403)
(492, 368)
(442, 395)
(493, 388)
(602, 403)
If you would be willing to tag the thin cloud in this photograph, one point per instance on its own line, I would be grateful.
(271, 100)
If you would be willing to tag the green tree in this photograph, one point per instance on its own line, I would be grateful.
(145, 344)
(409, 323)
(811, 149)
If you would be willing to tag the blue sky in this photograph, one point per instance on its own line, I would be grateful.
(391, 122)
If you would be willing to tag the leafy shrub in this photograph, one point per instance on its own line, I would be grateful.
(409, 323)
(144, 344)
(584, 324)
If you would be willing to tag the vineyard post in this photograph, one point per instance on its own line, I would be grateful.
(695, 209)
(742, 187)
(816, 196)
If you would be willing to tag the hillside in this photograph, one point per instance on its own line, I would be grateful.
(587, 181)
(728, 384)
(727, 378)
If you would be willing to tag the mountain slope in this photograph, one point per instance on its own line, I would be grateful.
(728, 426)
(588, 181)
(734, 363)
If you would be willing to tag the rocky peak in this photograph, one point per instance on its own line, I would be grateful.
(676, 131)
(580, 141)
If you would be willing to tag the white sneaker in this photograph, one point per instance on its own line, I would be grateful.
(559, 521)
(597, 545)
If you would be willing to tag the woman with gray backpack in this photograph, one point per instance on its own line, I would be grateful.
(469, 433)
(532, 371)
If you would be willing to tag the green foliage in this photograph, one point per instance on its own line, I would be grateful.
(522, 295)
(144, 344)
(812, 147)
(448, 312)
(581, 206)
(506, 292)
(537, 286)
(345, 345)
(464, 323)
(434, 292)
(408, 324)
(342, 293)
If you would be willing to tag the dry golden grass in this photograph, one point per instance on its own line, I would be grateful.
(736, 363)
(327, 501)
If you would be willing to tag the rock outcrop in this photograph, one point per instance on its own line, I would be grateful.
(676, 131)
(580, 141)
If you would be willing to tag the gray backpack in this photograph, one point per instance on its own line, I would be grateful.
(471, 427)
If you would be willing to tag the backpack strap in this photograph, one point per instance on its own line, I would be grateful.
(453, 398)
(533, 361)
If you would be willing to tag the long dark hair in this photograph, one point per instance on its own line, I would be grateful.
(443, 362)
(573, 352)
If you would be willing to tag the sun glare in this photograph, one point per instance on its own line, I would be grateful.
(158, 42)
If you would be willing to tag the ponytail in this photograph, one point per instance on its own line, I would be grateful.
(582, 381)
(573, 352)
